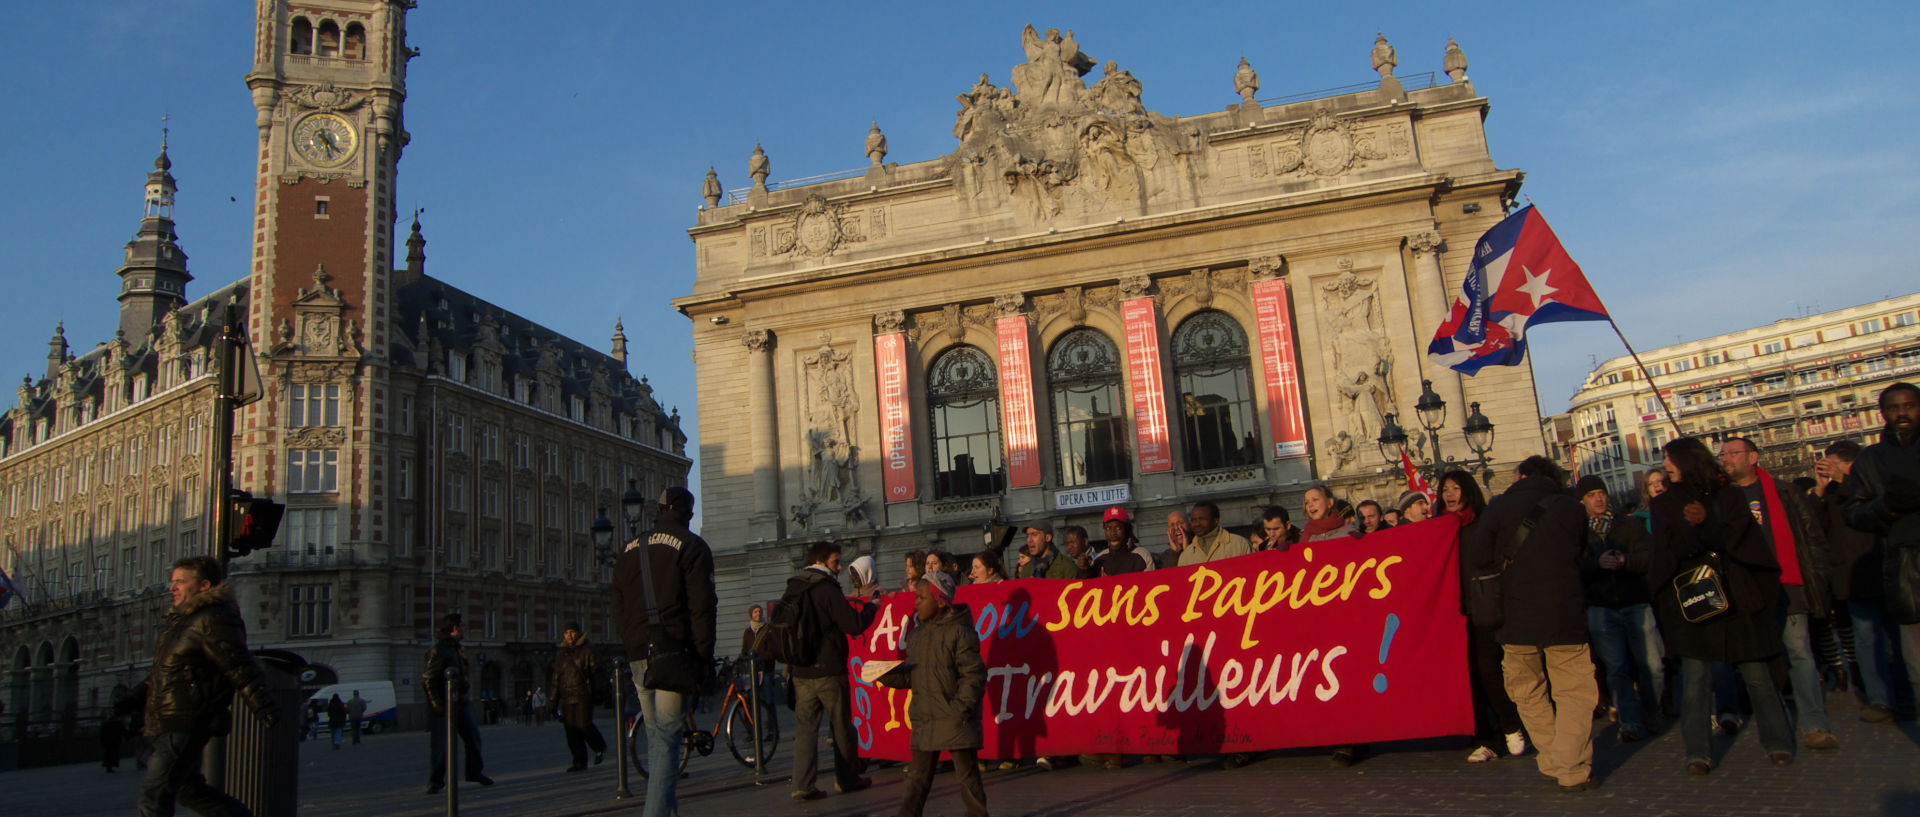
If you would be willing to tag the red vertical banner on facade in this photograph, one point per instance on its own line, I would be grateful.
(1016, 404)
(896, 440)
(1282, 368)
(1149, 394)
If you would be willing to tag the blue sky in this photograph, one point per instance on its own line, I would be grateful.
(1712, 166)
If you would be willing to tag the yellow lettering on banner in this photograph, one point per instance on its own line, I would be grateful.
(1066, 616)
(1228, 599)
(1327, 577)
(1201, 575)
(1153, 606)
(894, 708)
(1380, 578)
(1353, 574)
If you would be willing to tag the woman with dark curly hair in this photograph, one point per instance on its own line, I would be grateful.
(1701, 521)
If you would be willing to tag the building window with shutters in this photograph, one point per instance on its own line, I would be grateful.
(963, 404)
(1214, 375)
(1089, 429)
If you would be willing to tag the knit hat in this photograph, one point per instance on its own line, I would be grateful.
(1588, 484)
(1407, 498)
(941, 583)
(1117, 513)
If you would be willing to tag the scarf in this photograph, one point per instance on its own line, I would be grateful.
(756, 626)
(1601, 525)
(1330, 522)
(1782, 528)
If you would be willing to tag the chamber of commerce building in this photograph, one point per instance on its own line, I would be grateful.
(436, 452)
(1088, 303)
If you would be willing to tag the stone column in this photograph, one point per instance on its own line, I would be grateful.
(764, 408)
(1430, 286)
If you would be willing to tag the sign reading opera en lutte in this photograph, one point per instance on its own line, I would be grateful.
(1325, 644)
(896, 439)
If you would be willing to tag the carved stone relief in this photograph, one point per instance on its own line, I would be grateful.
(832, 487)
(816, 229)
(316, 437)
(1361, 365)
(889, 322)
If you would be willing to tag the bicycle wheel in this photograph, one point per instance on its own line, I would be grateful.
(637, 747)
(691, 740)
(740, 733)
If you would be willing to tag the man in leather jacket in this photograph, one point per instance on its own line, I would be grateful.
(445, 660)
(576, 672)
(199, 661)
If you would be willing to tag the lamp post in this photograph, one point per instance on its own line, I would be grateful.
(631, 504)
(1431, 412)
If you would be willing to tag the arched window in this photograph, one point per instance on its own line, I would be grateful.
(328, 44)
(1214, 375)
(1089, 429)
(355, 47)
(301, 40)
(963, 400)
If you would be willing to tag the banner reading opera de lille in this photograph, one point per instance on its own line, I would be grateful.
(1332, 643)
(1143, 378)
(1016, 404)
(896, 441)
(1281, 366)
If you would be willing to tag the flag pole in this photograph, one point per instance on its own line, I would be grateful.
(1648, 375)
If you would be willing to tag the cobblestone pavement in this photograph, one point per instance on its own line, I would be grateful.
(1876, 772)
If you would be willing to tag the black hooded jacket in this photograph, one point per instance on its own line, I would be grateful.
(199, 661)
(682, 567)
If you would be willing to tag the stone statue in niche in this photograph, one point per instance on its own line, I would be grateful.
(1362, 371)
(1246, 82)
(832, 404)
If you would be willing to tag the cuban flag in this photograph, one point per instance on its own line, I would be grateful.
(7, 590)
(1520, 277)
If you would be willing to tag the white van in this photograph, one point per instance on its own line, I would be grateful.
(381, 714)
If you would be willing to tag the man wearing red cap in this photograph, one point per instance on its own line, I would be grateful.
(1122, 554)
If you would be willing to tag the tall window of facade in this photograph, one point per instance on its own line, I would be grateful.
(313, 472)
(314, 405)
(309, 610)
(1089, 428)
(963, 402)
(1213, 372)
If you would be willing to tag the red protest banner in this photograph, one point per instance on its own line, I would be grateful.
(1016, 404)
(1143, 379)
(1281, 368)
(1348, 641)
(896, 441)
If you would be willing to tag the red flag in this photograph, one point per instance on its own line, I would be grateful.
(1416, 482)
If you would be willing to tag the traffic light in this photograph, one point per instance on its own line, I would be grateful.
(254, 523)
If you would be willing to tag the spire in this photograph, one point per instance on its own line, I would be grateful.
(619, 342)
(153, 280)
(416, 247)
(57, 350)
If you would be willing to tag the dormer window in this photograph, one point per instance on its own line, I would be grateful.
(523, 390)
(457, 366)
(577, 409)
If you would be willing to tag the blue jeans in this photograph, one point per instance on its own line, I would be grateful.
(1873, 648)
(1620, 636)
(1696, 705)
(469, 737)
(665, 714)
(1809, 694)
(173, 776)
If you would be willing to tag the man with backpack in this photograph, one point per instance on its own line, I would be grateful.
(1533, 535)
(809, 634)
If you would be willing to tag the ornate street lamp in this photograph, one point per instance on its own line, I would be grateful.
(1393, 438)
(1479, 432)
(1431, 411)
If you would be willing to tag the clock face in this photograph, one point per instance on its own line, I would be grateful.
(324, 139)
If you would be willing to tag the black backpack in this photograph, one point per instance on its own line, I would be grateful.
(792, 636)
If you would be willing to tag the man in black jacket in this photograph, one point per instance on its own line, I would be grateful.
(1784, 516)
(1548, 667)
(199, 662)
(1859, 572)
(822, 686)
(444, 661)
(1613, 570)
(1885, 491)
(576, 674)
(681, 566)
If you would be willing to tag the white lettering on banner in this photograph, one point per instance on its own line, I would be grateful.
(1090, 497)
(896, 443)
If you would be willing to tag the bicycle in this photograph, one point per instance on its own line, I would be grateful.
(735, 721)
